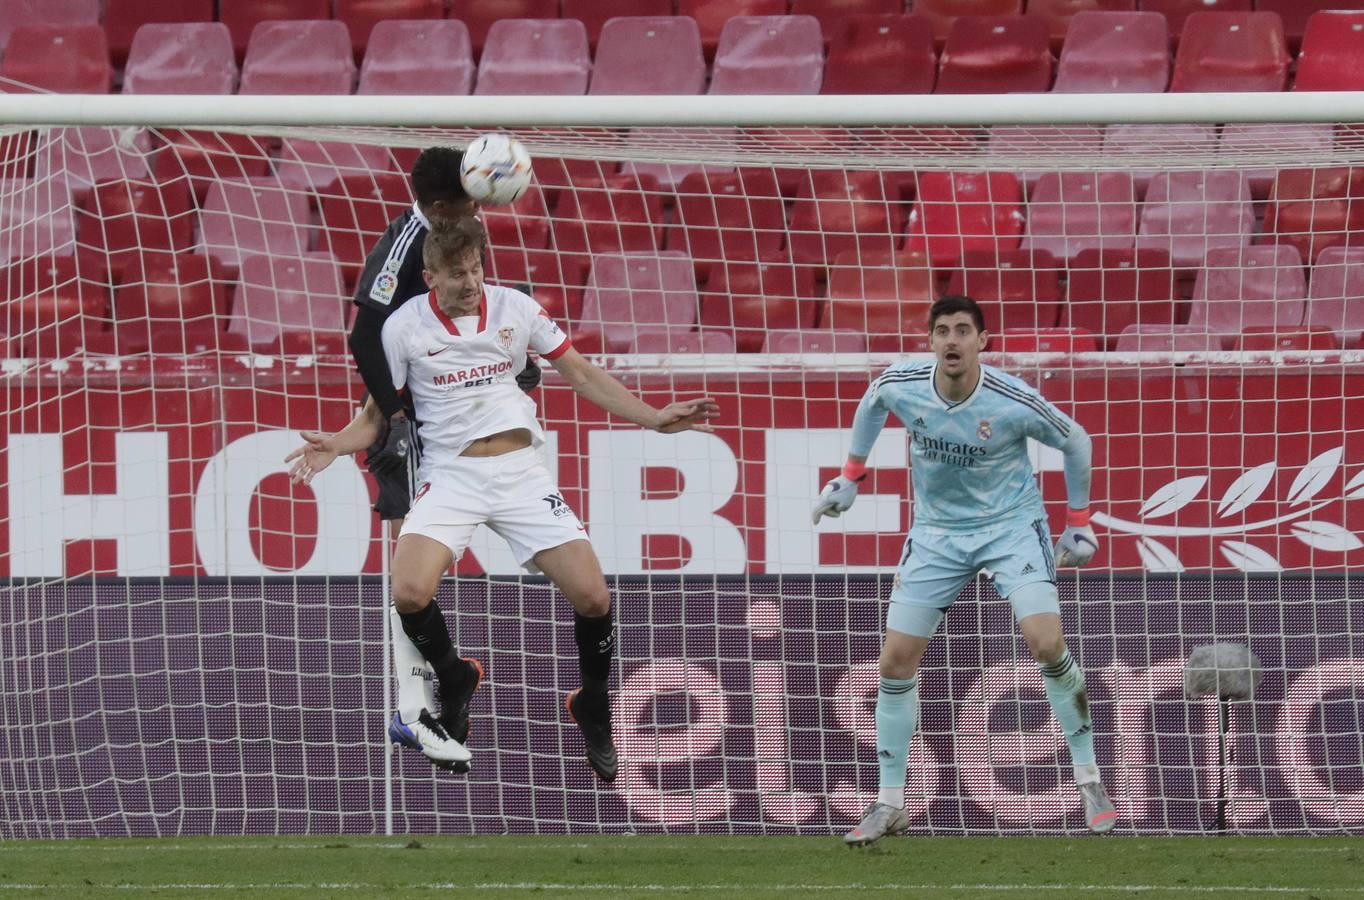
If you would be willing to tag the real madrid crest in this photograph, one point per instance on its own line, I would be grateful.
(983, 430)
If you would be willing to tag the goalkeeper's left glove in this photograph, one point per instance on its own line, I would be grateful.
(838, 495)
(1078, 544)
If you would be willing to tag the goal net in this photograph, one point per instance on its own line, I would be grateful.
(189, 644)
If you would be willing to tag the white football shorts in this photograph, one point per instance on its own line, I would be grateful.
(513, 494)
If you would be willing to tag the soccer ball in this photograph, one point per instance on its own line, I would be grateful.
(496, 169)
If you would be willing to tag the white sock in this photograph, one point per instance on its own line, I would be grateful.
(416, 680)
(892, 796)
(1086, 774)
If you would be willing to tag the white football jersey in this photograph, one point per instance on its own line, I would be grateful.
(464, 385)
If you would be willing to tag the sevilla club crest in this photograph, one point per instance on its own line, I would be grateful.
(504, 337)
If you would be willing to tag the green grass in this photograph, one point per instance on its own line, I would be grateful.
(749, 867)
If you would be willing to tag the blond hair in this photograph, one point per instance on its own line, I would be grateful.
(448, 242)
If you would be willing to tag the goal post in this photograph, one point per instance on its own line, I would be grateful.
(191, 645)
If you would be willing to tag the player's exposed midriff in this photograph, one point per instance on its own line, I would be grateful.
(499, 443)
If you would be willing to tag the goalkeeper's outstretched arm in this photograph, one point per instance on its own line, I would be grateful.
(1077, 544)
(838, 495)
(320, 449)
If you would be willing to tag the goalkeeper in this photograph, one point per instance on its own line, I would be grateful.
(976, 506)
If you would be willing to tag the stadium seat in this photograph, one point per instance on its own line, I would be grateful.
(63, 59)
(411, 56)
(957, 212)
(1189, 214)
(1332, 57)
(1229, 51)
(1060, 14)
(55, 307)
(277, 294)
(124, 18)
(242, 16)
(316, 165)
(1314, 209)
(1034, 143)
(769, 55)
(711, 15)
(1167, 339)
(621, 212)
(535, 56)
(298, 58)
(721, 216)
(247, 216)
(628, 291)
(1015, 288)
(83, 156)
(361, 16)
(1244, 286)
(1114, 52)
(995, 55)
(843, 210)
(189, 58)
(18, 13)
(1281, 338)
(676, 340)
(555, 281)
(670, 174)
(1177, 11)
(173, 292)
(1286, 140)
(594, 14)
(1070, 212)
(1140, 141)
(1043, 340)
(833, 13)
(356, 211)
(943, 13)
(815, 340)
(524, 223)
(750, 299)
(880, 54)
(1297, 15)
(36, 219)
(879, 293)
(481, 15)
(1108, 290)
(129, 220)
(1335, 296)
(205, 156)
(649, 55)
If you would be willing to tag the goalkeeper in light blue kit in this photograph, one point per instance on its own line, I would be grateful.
(976, 506)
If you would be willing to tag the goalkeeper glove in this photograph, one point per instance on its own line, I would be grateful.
(1078, 544)
(838, 495)
(392, 458)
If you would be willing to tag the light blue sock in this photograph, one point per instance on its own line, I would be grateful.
(1066, 692)
(897, 715)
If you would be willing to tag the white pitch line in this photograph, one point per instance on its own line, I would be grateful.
(682, 888)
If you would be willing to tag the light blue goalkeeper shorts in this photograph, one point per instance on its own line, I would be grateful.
(935, 566)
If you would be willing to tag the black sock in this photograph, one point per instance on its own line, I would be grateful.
(596, 639)
(428, 632)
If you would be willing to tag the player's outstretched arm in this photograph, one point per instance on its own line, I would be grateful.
(1077, 544)
(838, 495)
(596, 385)
(320, 449)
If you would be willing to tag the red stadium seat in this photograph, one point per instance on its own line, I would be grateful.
(674, 340)
(649, 55)
(1032, 141)
(278, 294)
(1167, 339)
(1188, 214)
(836, 211)
(1177, 11)
(1043, 340)
(1249, 286)
(816, 340)
(206, 156)
(1281, 338)
(64, 59)
(299, 58)
(356, 211)
(833, 13)
(1158, 141)
(35, 220)
(1106, 291)
(1314, 209)
(1332, 57)
(1286, 140)
(361, 16)
(316, 165)
(174, 297)
(1335, 298)
(126, 219)
(594, 14)
(1060, 14)
(875, 318)
(904, 276)
(628, 291)
(242, 16)
(711, 15)
(621, 212)
(995, 55)
(247, 216)
(188, 58)
(535, 56)
(1114, 52)
(769, 55)
(1015, 288)
(750, 299)
(958, 212)
(83, 156)
(413, 56)
(1297, 15)
(671, 174)
(555, 281)
(943, 13)
(722, 216)
(876, 54)
(1070, 212)
(1230, 51)
(58, 306)
(18, 13)
(124, 18)
(481, 15)
(524, 223)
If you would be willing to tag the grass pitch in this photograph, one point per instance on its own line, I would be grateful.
(748, 867)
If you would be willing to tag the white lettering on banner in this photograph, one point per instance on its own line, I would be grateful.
(794, 458)
(621, 518)
(1296, 732)
(44, 517)
(222, 510)
(491, 551)
(772, 749)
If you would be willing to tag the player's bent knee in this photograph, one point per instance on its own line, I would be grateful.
(901, 654)
(412, 593)
(592, 603)
(1044, 637)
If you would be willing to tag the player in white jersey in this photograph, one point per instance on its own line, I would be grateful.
(976, 506)
(457, 351)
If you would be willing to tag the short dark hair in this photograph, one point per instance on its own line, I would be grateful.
(449, 241)
(435, 176)
(955, 303)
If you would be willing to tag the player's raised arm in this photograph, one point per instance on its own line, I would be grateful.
(838, 495)
(595, 384)
(320, 449)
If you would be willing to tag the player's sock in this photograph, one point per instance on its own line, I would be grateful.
(427, 629)
(596, 640)
(414, 682)
(897, 715)
(1065, 685)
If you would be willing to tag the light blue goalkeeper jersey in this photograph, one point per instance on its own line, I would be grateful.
(969, 460)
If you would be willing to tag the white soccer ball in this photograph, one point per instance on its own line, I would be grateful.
(496, 169)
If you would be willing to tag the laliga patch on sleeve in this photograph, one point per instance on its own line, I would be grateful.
(384, 286)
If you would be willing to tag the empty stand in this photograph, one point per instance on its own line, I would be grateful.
(481, 15)
(535, 56)
(629, 291)
(299, 58)
(594, 14)
(649, 55)
(1189, 214)
(1060, 14)
(83, 156)
(1044, 340)
(836, 211)
(832, 13)
(943, 13)
(621, 212)
(18, 13)
(1114, 52)
(1249, 286)
(278, 295)
(555, 281)
(1230, 51)
(316, 165)
(1297, 14)
(1335, 298)
(187, 58)
(1141, 140)
(1314, 209)
(958, 212)
(412, 56)
(249, 216)
(711, 15)
(1166, 339)
(1285, 337)
(1014, 140)
(59, 307)
(65, 59)
(1286, 138)
(36, 219)
(361, 16)
(722, 216)
(676, 340)
(524, 223)
(880, 54)
(1332, 57)
(1177, 11)
(356, 212)
(131, 220)
(123, 19)
(1070, 212)
(1106, 291)
(769, 55)
(880, 293)
(205, 156)
(171, 295)
(751, 299)
(1015, 288)
(995, 55)
(816, 340)
(242, 16)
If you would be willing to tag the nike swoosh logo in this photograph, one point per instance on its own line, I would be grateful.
(434, 352)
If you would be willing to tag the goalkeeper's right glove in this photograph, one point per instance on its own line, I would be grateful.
(836, 498)
(392, 458)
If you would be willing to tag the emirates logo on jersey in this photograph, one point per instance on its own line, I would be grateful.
(983, 430)
(504, 337)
